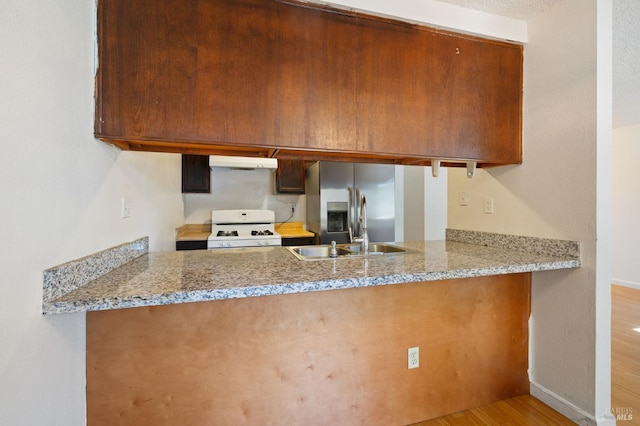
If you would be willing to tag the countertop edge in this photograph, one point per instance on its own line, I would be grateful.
(53, 307)
(64, 278)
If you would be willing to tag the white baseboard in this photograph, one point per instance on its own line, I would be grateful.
(624, 283)
(568, 409)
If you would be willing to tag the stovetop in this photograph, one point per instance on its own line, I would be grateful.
(243, 228)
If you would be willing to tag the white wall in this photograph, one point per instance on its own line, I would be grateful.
(560, 191)
(435, 204)
(626, 206)
(61, 192)
(413, 211)
(423, 204)
(243, 189)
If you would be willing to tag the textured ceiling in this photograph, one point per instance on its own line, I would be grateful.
(517, 9)
(626, 62)
(626, 46)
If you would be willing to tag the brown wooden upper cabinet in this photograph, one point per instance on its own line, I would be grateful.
(289, 79)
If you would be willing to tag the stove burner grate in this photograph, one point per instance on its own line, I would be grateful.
(265, 232)
(227, 234)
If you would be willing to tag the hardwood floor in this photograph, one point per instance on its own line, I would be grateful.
(625, 352)
(522, 411)
(625, 378)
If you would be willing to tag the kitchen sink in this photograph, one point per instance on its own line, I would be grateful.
(316, 252)
(376, 248)
(343, 250)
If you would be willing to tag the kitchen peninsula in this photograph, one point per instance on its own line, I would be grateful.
(299, 355)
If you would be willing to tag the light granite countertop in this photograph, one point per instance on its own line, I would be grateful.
(161, 278)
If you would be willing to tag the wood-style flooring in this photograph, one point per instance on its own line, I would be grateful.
(625, 353)
(522, 410)
(625, 378)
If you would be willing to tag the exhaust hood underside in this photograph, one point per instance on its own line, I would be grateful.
(249, 163)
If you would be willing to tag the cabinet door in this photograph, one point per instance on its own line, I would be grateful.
(191, 245)
(196, 174)
(394, 114)
(477, 97)
(436, 95)
(147, 57)
(298, 241)
(237, 65)
(315, 100)
(290, 176)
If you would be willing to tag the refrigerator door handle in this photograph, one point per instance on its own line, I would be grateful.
(350, 213)
(356, 212)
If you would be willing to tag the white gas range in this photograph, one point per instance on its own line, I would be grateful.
(243, 228)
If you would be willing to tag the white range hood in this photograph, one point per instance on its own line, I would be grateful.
(248, 163)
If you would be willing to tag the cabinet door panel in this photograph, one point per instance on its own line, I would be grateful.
(196, 174)
(477, 88)
(147, 57)
(394, 99)
(315, 98)
(290, 176)
(237, 61)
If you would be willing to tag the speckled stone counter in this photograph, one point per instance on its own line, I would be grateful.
(190, 276)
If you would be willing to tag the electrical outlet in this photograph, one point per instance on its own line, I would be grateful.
(125, 209)
(413, 357)
(293, 207)
(488, 205)
(463, 199)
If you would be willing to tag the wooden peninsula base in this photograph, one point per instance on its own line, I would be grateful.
(320, 358)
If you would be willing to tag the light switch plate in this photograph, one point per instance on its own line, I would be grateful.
(488, 205)
(125, 209)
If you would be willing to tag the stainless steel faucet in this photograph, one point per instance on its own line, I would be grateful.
(363, 238)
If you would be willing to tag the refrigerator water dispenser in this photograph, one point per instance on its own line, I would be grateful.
(337, 216)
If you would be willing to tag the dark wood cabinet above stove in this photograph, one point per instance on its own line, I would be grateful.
(295, 80)
(290, 176)
(196, 174)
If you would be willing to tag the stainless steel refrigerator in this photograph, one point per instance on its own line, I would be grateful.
(333, 195)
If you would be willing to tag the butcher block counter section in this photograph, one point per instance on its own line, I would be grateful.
(193, 232)
(292, 230)
(165, 278)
